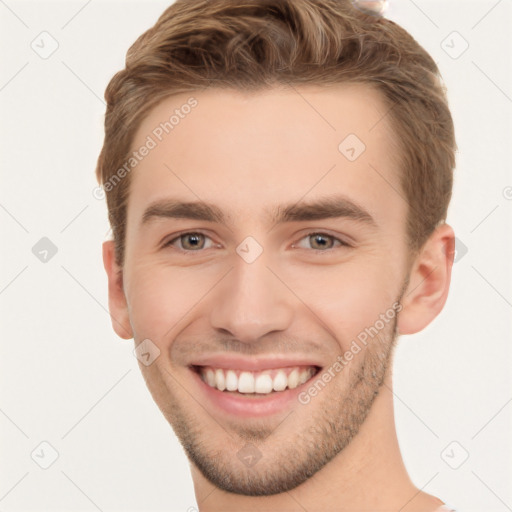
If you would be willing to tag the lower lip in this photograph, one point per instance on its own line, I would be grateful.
(253, 404)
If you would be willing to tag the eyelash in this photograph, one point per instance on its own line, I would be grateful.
(327, 235)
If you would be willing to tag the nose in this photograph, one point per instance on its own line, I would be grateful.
(251, 302)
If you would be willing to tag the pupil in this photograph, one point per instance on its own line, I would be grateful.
(193, 238)
(320, 237)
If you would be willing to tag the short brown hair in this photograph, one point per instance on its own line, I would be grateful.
(249, 45)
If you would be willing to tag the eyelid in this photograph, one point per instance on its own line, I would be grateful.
(342, 242)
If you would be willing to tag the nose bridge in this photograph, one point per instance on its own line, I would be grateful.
(251, 301)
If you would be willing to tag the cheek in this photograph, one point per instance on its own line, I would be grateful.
(160, 298)
(348, 297)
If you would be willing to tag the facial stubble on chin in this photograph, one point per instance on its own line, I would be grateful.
(308, 447)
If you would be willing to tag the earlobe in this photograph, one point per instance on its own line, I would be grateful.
(429, 282)
(117, 304)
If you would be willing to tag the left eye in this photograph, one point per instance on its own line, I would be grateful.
(319, 239)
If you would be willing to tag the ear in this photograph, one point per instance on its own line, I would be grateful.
(429, 281)
(117, 304)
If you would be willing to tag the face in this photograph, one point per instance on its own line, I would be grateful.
(295, 247)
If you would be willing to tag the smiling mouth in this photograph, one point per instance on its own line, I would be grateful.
(254, 384)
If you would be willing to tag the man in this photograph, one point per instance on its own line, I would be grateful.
(278, 175)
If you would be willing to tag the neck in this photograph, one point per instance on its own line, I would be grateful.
(369, 474)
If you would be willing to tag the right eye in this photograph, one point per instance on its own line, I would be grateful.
(192, 241)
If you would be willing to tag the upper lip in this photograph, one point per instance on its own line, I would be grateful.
(253, 364)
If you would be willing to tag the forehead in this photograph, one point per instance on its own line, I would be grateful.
(248, 151)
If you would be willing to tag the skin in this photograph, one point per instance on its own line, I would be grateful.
(248, 153)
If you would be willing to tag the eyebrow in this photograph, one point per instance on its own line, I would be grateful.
(323, 208)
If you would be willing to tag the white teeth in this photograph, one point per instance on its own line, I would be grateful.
(231, 381)
(246, 382)
(280, 381)
(210, 377)
(263, 383)
(220, 380)
(255, 382)
(304, 376)
(293, 379)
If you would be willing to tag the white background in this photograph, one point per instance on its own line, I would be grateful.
(66, 378)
